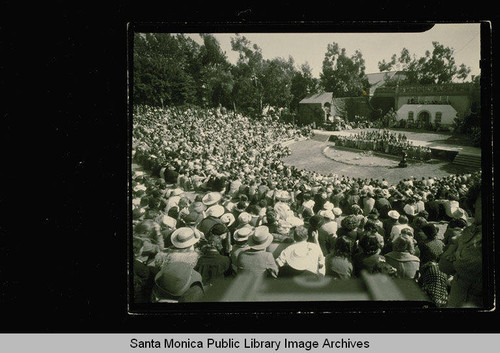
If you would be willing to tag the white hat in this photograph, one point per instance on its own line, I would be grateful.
(176, 192)
(337, 211)
(295, 221)
(242, 233)
(215, 211)
(169, 221)
(393, 214)
(244, 217)
(308, 204)
(460, 213)
(410, 210)
(328, 206)
(211, 198)
(299, 260)
(327, 214)
(139, 187)
(184, 237)
(228, 219)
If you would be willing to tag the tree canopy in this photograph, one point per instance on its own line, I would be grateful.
(435, 67)
(342, 74)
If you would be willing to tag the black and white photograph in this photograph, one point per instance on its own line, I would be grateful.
(338, 168)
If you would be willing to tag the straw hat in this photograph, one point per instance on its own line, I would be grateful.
(215, 211)
(244, 218)
(299, 260)
(211, 198)
(260, 239)
(393, 214)
(228, 219)
(328, 206)
(184, 237)
(337, 211)
(242, 234)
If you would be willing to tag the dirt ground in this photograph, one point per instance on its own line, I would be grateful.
(308, 155)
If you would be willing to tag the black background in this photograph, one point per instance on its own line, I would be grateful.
(64, 134)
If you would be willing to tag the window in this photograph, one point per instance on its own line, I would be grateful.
(437, 119)
(410, 116)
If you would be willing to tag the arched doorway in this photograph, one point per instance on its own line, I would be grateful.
(423, 119)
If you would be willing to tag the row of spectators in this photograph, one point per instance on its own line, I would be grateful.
(215, 200)
(385, 141)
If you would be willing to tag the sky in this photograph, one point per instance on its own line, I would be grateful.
(375, 47)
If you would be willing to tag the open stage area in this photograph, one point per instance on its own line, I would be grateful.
(311, 155)
(436, 140)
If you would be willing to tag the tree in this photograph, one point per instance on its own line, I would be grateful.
(436, 67)
(276, 82)
(248, 75)
(343, 75)
(165, 68)
(216, 78)
(303, 84)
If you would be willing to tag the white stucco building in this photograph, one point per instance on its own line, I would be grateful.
(443, 114)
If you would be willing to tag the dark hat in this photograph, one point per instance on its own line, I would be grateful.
(191, 218)
(218, 229)
(170, 176)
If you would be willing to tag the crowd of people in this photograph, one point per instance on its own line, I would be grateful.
(211, 199)
(385, 141)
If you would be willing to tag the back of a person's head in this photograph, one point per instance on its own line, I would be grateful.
(457, 223)
(403, 219)
(369, 244)
(370, 226)
(430, 231)
(315, 222)
(173, 212)
(402, 244)
(343, 247)
(350, 222)
(145, 228)
(300, 233)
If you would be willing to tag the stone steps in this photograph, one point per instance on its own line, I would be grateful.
(468, 160)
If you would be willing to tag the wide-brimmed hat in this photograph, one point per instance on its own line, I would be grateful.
(282, 195)
(298, 259)
(176, 192)
(260, 239)
(211, 198)
(228, 219)
(215, 211)
(337, 211)
(328, 206)
(244, 218)
(169, 221)
(327, 214)
(242, 234)
(410, 210)
(460, 213)
(184, 237)
(176, 278)
(308, 204)
(393, 214)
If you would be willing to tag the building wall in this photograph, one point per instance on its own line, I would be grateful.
(447, 113)
(459, 95)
